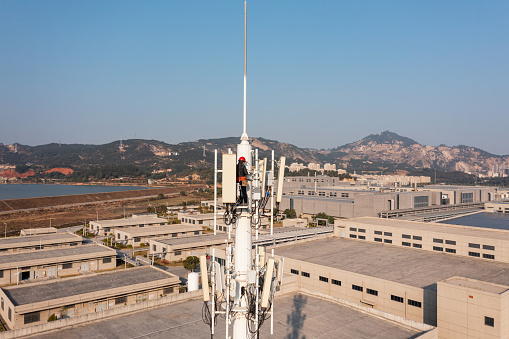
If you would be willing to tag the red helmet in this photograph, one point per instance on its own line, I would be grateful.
(242, 159)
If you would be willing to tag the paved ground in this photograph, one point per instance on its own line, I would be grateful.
(297, 316)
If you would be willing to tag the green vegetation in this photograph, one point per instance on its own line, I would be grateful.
(191, 263)
(290, 213)
(322, 215)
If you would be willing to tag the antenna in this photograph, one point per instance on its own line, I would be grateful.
(244, 136)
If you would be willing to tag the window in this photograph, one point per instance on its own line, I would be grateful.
(335, 282)
(417, 245)
(450, 250)
(388, 241)
(357, 288)
(300, 192)
(324, 279)
(414, 303)
(311, 193)
(167, 290)
(396, 298)
(121, 300)
(405, 243)
(154, 248)
(353, 229)
(378, 232)
(406, 236)
(362, 230)
(137, 239)
(450, 242)
(439, 241)
(9, 313)
(488, 247)
(292, 271)
(321, 194)
(421, 201)
(388, 234)
(305, 274)
(200, 222)
(32, 317)
(174, 235)
(474, 245)
(1, 273)
(178, 252)
(378, 239)
(488, 256)
(106, 260)
(474, 254)
(436, 248)
(353, 236)
(416, 237)
(372, 292)
(344, 195)
(489, 321)
(362, 237)
(467, 197)
(67, 266)
(2, 303)
(196, 232)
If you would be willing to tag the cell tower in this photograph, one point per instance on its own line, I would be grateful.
(243, 289)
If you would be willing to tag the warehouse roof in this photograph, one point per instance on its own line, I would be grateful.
(139, 220)
(159, 230)
(64, 288)
(29, 240)
(408, 266)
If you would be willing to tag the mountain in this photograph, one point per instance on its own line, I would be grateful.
(390, 151)
(387, 151)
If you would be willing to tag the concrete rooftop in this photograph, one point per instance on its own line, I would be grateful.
(297, 316)
(176, 228)
(54, 238)
(33, 293)
(192, 239)
(414, 267)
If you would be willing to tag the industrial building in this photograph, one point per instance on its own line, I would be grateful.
(135, 236)
(197, 218)
(38, 231)
(29, 265)
(38, 242)
(181, 248)
(499, 207)
(105, 227)
(33, 304)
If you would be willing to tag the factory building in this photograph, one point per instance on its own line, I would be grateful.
(499, 207)
(38, 242)
(105, 227)
(180, 248)
(33, 304)
(135, 236)
(29, 265)
(38, 231)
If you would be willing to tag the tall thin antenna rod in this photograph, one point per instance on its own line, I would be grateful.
(244, 136)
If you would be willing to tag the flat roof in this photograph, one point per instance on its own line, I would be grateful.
(414, 267)
(70, 253)
(130, 221)
(468, 231)
(27, 240)
(476, 285)
(197, 239)
(141, 231)
(63, 288)
(296, 316)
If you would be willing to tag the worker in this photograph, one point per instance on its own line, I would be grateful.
(242, 179)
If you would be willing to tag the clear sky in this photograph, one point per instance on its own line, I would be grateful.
(320, 73)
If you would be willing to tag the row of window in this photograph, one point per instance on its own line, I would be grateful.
(356, 288)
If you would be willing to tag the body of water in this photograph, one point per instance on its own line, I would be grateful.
(483, 219)
(18, 191)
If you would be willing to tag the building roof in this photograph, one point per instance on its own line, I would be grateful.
(420, 227)
(139, 220)
(40, 257)
(476, 285)
(40, 230)
(414, 267)
(193, 241)
(89, 287)
(159, 230)
(31, 240)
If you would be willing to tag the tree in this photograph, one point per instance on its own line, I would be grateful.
(290, 213)
(322, 215)
(52, 317)
(191, 263)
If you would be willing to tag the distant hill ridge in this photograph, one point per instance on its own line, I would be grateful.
(386, 151)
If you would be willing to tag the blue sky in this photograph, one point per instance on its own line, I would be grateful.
(320, 73)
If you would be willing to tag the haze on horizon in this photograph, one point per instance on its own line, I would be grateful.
(320, 74)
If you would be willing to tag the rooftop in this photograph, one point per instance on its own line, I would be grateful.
(139, 220)
(33, 293)
(208, 238)
(53, 238)
(53, 255)
(407, 266)
(477, 285)
(296, 316)
(141, 231)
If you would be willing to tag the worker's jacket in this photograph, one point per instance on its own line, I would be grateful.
(241, 172)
